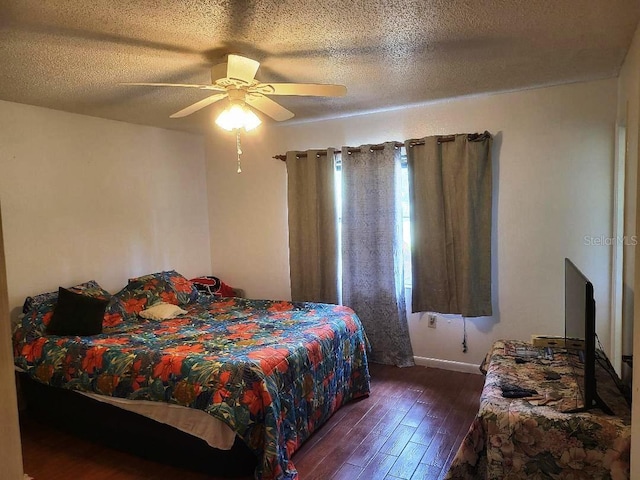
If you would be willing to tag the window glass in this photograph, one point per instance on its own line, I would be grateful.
(406, 222)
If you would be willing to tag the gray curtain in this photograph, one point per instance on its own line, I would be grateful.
(450, 195)
(372, 268)
(313, 239)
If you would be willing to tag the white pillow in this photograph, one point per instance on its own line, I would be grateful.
(162, 311)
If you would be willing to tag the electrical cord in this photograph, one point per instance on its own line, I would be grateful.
(464, 335)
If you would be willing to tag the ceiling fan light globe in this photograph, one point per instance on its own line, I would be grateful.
(251, 120)
(231, 118)
(235, 117)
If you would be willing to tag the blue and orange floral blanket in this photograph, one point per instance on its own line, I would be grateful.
(273, 371)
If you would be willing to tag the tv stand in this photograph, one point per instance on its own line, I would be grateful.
(519, 438)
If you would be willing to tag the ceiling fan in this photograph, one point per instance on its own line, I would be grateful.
(235, 79)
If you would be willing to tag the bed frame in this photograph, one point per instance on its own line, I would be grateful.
(130, 432)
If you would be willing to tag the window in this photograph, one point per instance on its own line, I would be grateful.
(406, 221)
(406, 218)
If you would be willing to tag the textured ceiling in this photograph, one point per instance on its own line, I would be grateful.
(71, 55)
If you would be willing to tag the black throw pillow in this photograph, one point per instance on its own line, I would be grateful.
(77, 314)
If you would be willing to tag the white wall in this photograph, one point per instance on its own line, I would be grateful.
(248, 213)
(553, 160)
(629, 117)
(10, 453)
(629, 114)
(87, 198)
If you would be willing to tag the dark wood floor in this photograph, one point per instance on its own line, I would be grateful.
(409, 428)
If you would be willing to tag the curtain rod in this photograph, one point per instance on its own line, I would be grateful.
(446, 138)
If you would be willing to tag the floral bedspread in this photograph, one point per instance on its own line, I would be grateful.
(528, 439)
(273, 371)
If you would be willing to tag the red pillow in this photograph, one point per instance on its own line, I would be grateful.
(210, 285)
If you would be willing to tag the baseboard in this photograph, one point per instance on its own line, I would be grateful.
(448, 365)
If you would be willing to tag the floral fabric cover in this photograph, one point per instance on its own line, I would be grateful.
(167, 287)
(90, 288)
(273, 371)
(519, 439)
(38, 310)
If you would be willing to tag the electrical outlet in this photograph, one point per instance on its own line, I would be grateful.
(433, 320)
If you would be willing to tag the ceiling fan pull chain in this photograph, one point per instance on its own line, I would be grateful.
(238, 149)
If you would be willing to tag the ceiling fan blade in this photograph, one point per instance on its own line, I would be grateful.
(269, 107)
(198, 105)
(182, 85)
(307, 89)
(241, 68)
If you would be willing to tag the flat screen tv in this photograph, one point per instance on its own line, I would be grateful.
(580, 335)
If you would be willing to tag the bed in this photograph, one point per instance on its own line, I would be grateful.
(271, 371)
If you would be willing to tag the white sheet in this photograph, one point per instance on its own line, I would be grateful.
(195, 422)
(189, 420)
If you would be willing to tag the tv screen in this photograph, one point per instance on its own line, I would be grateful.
(580, 335)
(577, 290)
